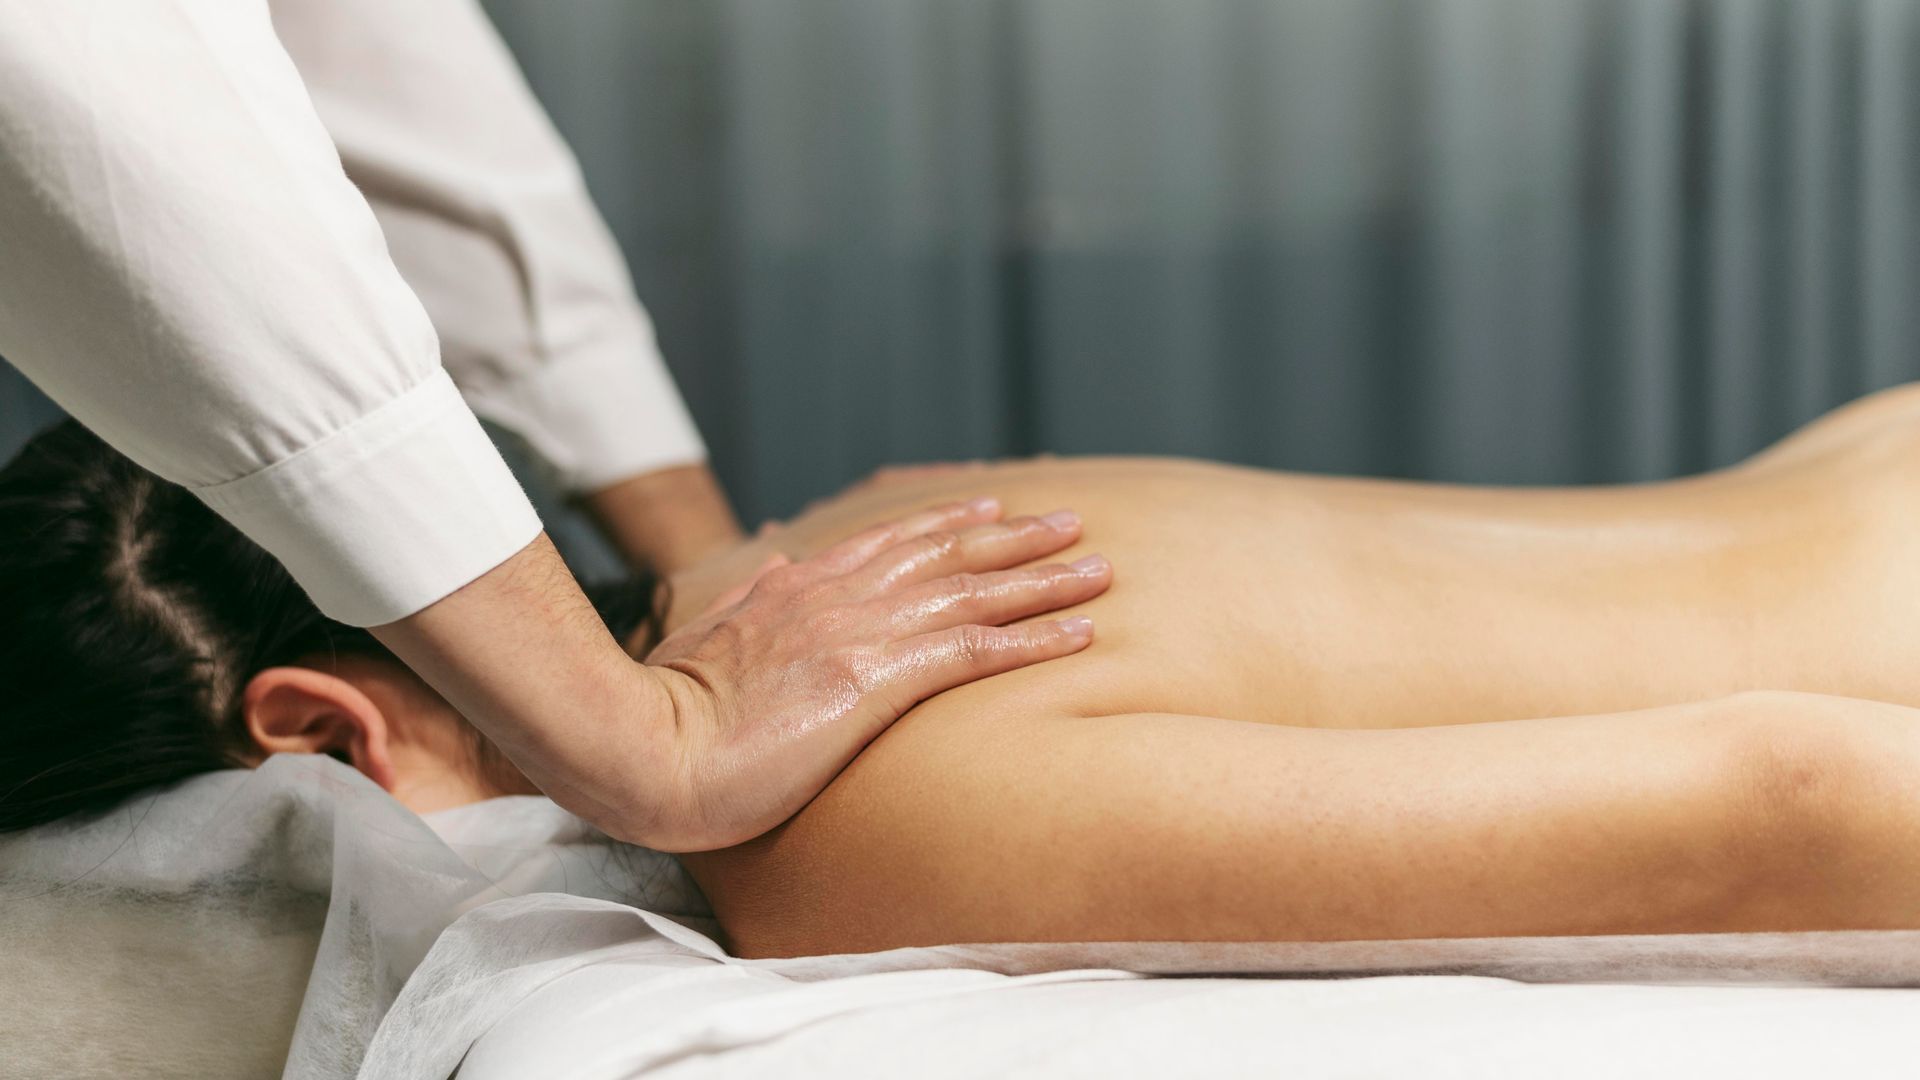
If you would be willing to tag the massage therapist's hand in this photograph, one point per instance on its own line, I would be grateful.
(745, 714)
(784, 679)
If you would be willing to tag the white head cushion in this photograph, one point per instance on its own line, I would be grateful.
(205, 929)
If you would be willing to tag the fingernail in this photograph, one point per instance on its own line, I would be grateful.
(985, 504)
(1078, 626)
(1062, 519)
(1092, 564)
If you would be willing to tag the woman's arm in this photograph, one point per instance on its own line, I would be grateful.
(1756, 812)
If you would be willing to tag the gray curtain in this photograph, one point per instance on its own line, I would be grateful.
(1495, 240)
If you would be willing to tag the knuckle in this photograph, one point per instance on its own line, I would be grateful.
(974, 644)
(1022, 527)
(814, 594)
(844, 664)
(723, 639)
(779, 579)
(1024, 585)
(866, 543)
(939, 544)
(861, 669)
(1040, 640)
(1046, 575)
(967, 585)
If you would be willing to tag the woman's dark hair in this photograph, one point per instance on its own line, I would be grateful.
(131, 618)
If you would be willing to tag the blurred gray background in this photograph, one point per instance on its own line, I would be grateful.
(1512, 241)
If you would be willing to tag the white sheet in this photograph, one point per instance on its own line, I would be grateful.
(583, 988)
(613, 1021)
(196, 932)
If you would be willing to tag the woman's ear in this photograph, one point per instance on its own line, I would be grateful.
(302, 711)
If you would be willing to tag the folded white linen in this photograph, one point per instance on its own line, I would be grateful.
(242, 918)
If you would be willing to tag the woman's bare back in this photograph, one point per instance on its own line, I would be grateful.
(1334, 602)
(1166, 783)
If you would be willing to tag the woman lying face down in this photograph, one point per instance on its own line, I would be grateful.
(1318, 708)
(148, 641)
(1328, 708)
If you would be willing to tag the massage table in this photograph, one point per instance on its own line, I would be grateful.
(296, 919)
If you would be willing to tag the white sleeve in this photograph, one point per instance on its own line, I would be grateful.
(187, 270)
(489, 220)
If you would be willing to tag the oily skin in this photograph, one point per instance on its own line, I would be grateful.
(1326, 708)
(748, 709)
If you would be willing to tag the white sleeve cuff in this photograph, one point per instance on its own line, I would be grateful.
(390, 513)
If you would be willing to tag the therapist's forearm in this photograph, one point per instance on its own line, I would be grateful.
(666, 520)
(521, 653)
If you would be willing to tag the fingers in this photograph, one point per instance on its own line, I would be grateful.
(996, 598)
(987, 547)
(855, 551)
(927, 664)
